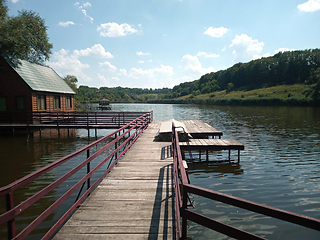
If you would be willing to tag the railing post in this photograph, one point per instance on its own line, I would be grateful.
(184, 219)
(11, 223)
(116, 146)
(88, 170)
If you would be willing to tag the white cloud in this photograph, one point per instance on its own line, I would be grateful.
(143, 54)
(148, 73)
(107, 82)
(193, 67)
(115, 79)
(216, 32)
(113, 29)
(66, 64)
(245, 48)
(69, 64)
(104, 81)
(107, 66)
(95, 51)
(309, 6)
(66, 24)
(14, 1)
(81, 7)
(284, 50)
(87, 4)
(123, 72)
(141, 61)
(167, 70)
(207, 55)
(139, 72)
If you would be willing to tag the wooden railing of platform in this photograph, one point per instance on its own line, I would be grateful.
(183, 214)
(71, 119)
(118, 142)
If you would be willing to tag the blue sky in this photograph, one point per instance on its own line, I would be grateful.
(161, 43)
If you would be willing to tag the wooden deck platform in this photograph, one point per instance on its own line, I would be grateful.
(134, 201)
(200, 129)
(212, 144)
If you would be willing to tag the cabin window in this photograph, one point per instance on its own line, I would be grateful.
(41, 102)
(56, 102)
(68, 102)
(20, 103)
(3, 104)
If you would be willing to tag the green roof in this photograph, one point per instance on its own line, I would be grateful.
(41, 78)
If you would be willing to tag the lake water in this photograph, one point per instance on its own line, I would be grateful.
(279, 167)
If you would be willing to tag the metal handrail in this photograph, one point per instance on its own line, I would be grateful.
(70, 118)
(138, 126)
(180, 179)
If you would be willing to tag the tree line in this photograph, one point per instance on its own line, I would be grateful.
(119, 94)
(282, 68)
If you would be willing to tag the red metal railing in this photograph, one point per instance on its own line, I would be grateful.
(127, 134)
(183, 213)
(66, 119)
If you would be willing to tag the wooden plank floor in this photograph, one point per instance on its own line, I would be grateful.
(211, 144)
(134, 201)
(200, 129)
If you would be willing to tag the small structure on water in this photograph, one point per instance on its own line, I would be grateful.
(104, 104)
(27, 88)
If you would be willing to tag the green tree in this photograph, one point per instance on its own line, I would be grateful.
(314, 80)
(71, 81)
(230, 87)
(3, 11)
(24, 36)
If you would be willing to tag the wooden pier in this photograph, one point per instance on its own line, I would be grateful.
(134, 201)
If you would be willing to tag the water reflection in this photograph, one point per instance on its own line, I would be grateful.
(197, 168)
(280, 165)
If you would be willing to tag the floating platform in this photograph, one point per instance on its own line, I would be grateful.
(201, 129)
(212, 144)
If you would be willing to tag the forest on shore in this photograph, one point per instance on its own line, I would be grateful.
(286, 78)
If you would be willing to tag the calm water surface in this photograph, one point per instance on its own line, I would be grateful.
(280, 165)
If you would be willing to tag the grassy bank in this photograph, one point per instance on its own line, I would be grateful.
(289, 95)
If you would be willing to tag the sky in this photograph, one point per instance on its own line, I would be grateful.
(162, 43)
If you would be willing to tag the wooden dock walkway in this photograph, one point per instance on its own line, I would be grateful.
(134, 201)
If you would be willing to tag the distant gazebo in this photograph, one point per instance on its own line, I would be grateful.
(104, 104)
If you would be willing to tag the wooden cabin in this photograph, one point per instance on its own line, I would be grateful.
(28, 88)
